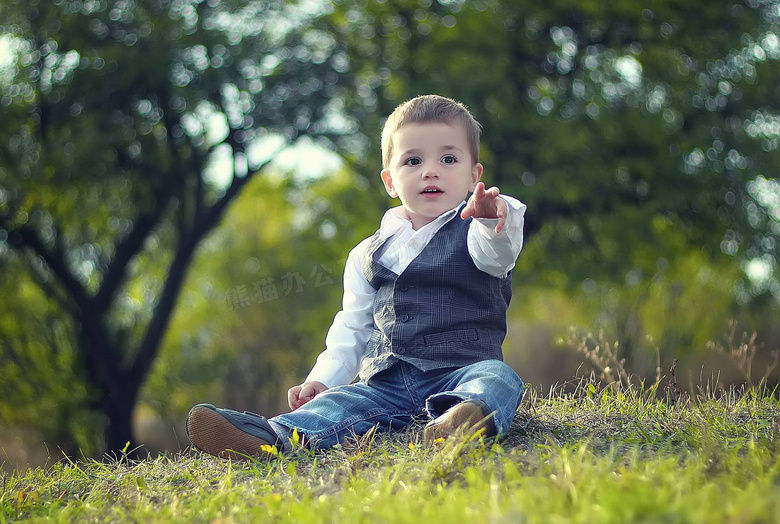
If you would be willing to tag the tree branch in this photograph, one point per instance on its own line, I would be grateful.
(163, 311)
(125, 250)
(213, 215)
(203, 224)
(101, 364)
(26, 237)
(51, 291)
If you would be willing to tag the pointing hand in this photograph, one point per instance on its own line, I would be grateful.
(485, 203)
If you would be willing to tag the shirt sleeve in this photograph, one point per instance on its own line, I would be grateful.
(496, 253)
(347, 337)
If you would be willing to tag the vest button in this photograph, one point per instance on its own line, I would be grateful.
(405, 318)
(404, 288)
(400, 351)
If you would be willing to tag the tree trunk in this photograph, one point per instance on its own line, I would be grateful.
(117, 406)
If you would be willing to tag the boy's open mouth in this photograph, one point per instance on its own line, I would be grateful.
(431, 189)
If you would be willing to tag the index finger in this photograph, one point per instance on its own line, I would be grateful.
(479, 190)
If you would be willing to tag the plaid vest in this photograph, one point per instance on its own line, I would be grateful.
(441, 311)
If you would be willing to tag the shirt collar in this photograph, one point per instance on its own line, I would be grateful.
(395, 220)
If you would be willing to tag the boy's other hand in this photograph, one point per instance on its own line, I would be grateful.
(485, 203)
(297, 396)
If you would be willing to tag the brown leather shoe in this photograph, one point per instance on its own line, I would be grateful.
(229, 434)
(462, 418)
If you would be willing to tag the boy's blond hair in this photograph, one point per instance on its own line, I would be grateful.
(428, 109)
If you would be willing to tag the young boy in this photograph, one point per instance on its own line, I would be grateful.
(424, 306)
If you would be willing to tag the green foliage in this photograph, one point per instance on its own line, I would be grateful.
(38, 368)
(607, 456)
(116, 117)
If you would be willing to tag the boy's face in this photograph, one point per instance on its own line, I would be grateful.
(431, 169)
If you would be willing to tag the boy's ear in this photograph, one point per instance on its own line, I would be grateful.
(387, 179)
(476, 176)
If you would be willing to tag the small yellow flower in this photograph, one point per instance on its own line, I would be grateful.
(269, 449)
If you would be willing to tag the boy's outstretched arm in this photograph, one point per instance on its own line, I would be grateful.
(495, 236)
(485, 203)
(299, 395)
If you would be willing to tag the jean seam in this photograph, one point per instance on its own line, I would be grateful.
(411, 387)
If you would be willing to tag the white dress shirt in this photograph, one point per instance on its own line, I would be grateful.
(493, 253)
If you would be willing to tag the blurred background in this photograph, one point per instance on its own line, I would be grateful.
(181, 182)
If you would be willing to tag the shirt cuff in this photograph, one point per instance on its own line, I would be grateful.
(487, 227)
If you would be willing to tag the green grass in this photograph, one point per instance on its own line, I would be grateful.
(591, 456)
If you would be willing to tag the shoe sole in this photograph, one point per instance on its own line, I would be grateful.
(212, 433)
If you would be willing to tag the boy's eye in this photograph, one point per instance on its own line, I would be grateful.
(414, 161)
(449, 159)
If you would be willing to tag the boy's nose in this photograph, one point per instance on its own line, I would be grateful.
(430, 172)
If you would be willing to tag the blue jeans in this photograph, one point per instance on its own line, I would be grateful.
(392, 398)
